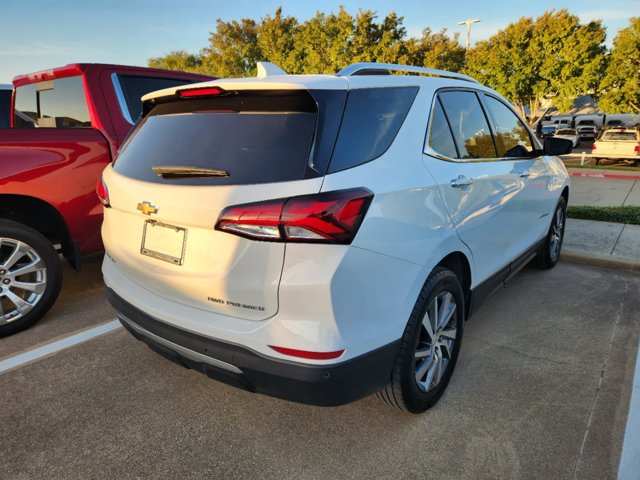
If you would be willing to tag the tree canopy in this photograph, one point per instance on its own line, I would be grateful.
(325, 43)
(534, 62)
(552, 57)
(621, 85)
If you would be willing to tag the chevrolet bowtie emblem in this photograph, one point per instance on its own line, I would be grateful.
(146, 208)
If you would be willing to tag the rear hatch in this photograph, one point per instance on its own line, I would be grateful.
(195, 154)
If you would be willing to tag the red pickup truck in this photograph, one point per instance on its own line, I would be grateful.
(66, 126)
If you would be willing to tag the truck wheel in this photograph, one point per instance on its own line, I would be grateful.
(549, 253)
(30, 276)
(429, 346)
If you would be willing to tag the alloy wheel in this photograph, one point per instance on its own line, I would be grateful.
(23, 279)
(437, 340)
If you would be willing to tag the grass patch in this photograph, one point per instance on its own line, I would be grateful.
(628, 214)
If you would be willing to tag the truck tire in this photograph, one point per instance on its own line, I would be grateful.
(30, 276)
(429, 346)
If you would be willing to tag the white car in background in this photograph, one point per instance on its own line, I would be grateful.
(618, 143)
(320, 238)
(569, 134)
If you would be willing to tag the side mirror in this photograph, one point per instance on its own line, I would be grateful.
(557, 146)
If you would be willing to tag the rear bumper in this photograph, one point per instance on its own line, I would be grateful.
(324, 385)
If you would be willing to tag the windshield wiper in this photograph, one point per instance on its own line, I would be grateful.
(176, 171)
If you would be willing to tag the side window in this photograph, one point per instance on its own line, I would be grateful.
(133, 87)
(371, 121)
(469, 125)
(56, 103)
(440, 138)
(512, 137)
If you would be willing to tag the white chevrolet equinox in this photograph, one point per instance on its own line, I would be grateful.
(319, 238)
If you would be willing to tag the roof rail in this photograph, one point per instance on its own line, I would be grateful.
(372, 68)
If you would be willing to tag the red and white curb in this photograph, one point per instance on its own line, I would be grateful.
(617, 176)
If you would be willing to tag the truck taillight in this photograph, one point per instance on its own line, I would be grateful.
(103, 192)
(593, 147)
(637, 149)
(329, 217)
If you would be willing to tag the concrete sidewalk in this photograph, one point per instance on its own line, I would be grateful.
(612, 245)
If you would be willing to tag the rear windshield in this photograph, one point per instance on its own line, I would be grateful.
(566, 131)
(251, 137)
(621, 136)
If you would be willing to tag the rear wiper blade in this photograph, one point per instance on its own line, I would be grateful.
(178, 171)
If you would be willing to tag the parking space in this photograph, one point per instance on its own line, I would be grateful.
(541, 391)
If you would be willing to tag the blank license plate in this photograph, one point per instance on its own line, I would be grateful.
(164, 242)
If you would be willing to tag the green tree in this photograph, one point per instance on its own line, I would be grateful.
(178, 60)
(435, 50)
(233, 49)
(552, 58)
(325, 43)
(621, 85)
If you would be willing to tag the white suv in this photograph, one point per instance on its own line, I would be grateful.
(320, 238)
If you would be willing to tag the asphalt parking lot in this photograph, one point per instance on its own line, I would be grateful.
(541, 390)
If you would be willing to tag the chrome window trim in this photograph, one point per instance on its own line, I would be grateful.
(122, 102)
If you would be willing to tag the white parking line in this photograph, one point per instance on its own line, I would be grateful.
(54, 347)
(630, 459)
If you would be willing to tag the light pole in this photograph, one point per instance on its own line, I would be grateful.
(468, 23)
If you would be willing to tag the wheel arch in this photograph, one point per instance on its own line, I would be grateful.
(565, 194)
(459, 264)
(44, 218)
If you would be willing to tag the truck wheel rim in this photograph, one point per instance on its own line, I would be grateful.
(23, 279)
(437, 341)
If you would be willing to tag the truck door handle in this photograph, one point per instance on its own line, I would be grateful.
(461, 181)
(523, 173)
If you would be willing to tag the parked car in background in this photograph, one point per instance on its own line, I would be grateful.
(549, 130)
(569, 134)
(617, 143)
(5, 104)
(67, 125)
(587, 129)
(344, 258)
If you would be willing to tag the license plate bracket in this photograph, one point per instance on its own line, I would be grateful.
(164, 242)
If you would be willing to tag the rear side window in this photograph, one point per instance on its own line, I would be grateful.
(58, 103)
(469, 125)
(5, 108)
(440, 138)
(371, 121)
(130, 89)
(253, 137)
(512, 137)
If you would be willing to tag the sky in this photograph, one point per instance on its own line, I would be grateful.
(41, 34)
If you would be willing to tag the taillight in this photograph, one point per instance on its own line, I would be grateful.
(292, 352)
(200, 92)
(330, 217)
(593, 147)
(103, 193)
(637, 149)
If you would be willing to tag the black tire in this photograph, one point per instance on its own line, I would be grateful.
(404, 391)
(597, 161)
(45, 280)
(548, 254)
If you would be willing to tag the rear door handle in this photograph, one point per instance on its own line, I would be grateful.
(523, 173)
(461, 181)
